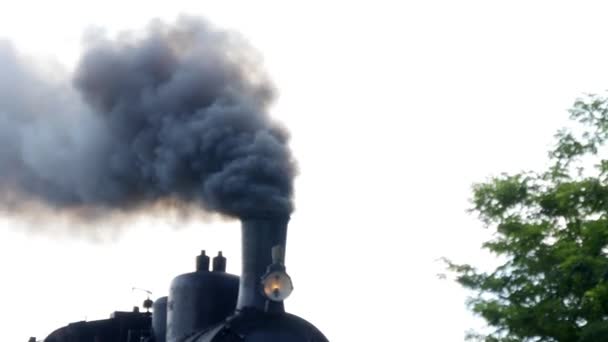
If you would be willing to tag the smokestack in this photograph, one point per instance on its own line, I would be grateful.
(259, 236)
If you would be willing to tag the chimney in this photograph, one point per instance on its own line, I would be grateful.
(259, 236)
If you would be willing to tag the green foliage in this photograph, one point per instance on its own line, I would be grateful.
(551, 230)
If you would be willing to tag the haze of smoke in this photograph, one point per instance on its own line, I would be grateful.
(177, 113)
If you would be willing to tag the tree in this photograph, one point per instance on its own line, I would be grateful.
(550, 237)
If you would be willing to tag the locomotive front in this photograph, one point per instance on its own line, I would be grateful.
(210, 305)
(258, 313)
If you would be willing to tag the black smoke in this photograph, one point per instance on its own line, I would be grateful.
(177, 112)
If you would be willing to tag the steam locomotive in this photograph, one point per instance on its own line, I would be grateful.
(212, 305)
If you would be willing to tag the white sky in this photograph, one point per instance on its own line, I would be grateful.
(395, 108)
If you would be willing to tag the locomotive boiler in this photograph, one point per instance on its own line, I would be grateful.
(210, 305)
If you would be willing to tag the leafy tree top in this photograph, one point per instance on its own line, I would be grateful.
(551, 231)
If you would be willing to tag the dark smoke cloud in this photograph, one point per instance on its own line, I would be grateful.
(176, 113)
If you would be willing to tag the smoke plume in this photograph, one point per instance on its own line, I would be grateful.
(175, 113)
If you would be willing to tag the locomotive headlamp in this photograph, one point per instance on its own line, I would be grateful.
(277, 285)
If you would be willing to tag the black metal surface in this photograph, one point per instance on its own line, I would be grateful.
(159, 319)
(202, 262)
(257, 326)
(259, 235)
(219, 263)
(121, 327)
(148, 304)
(198, 300)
